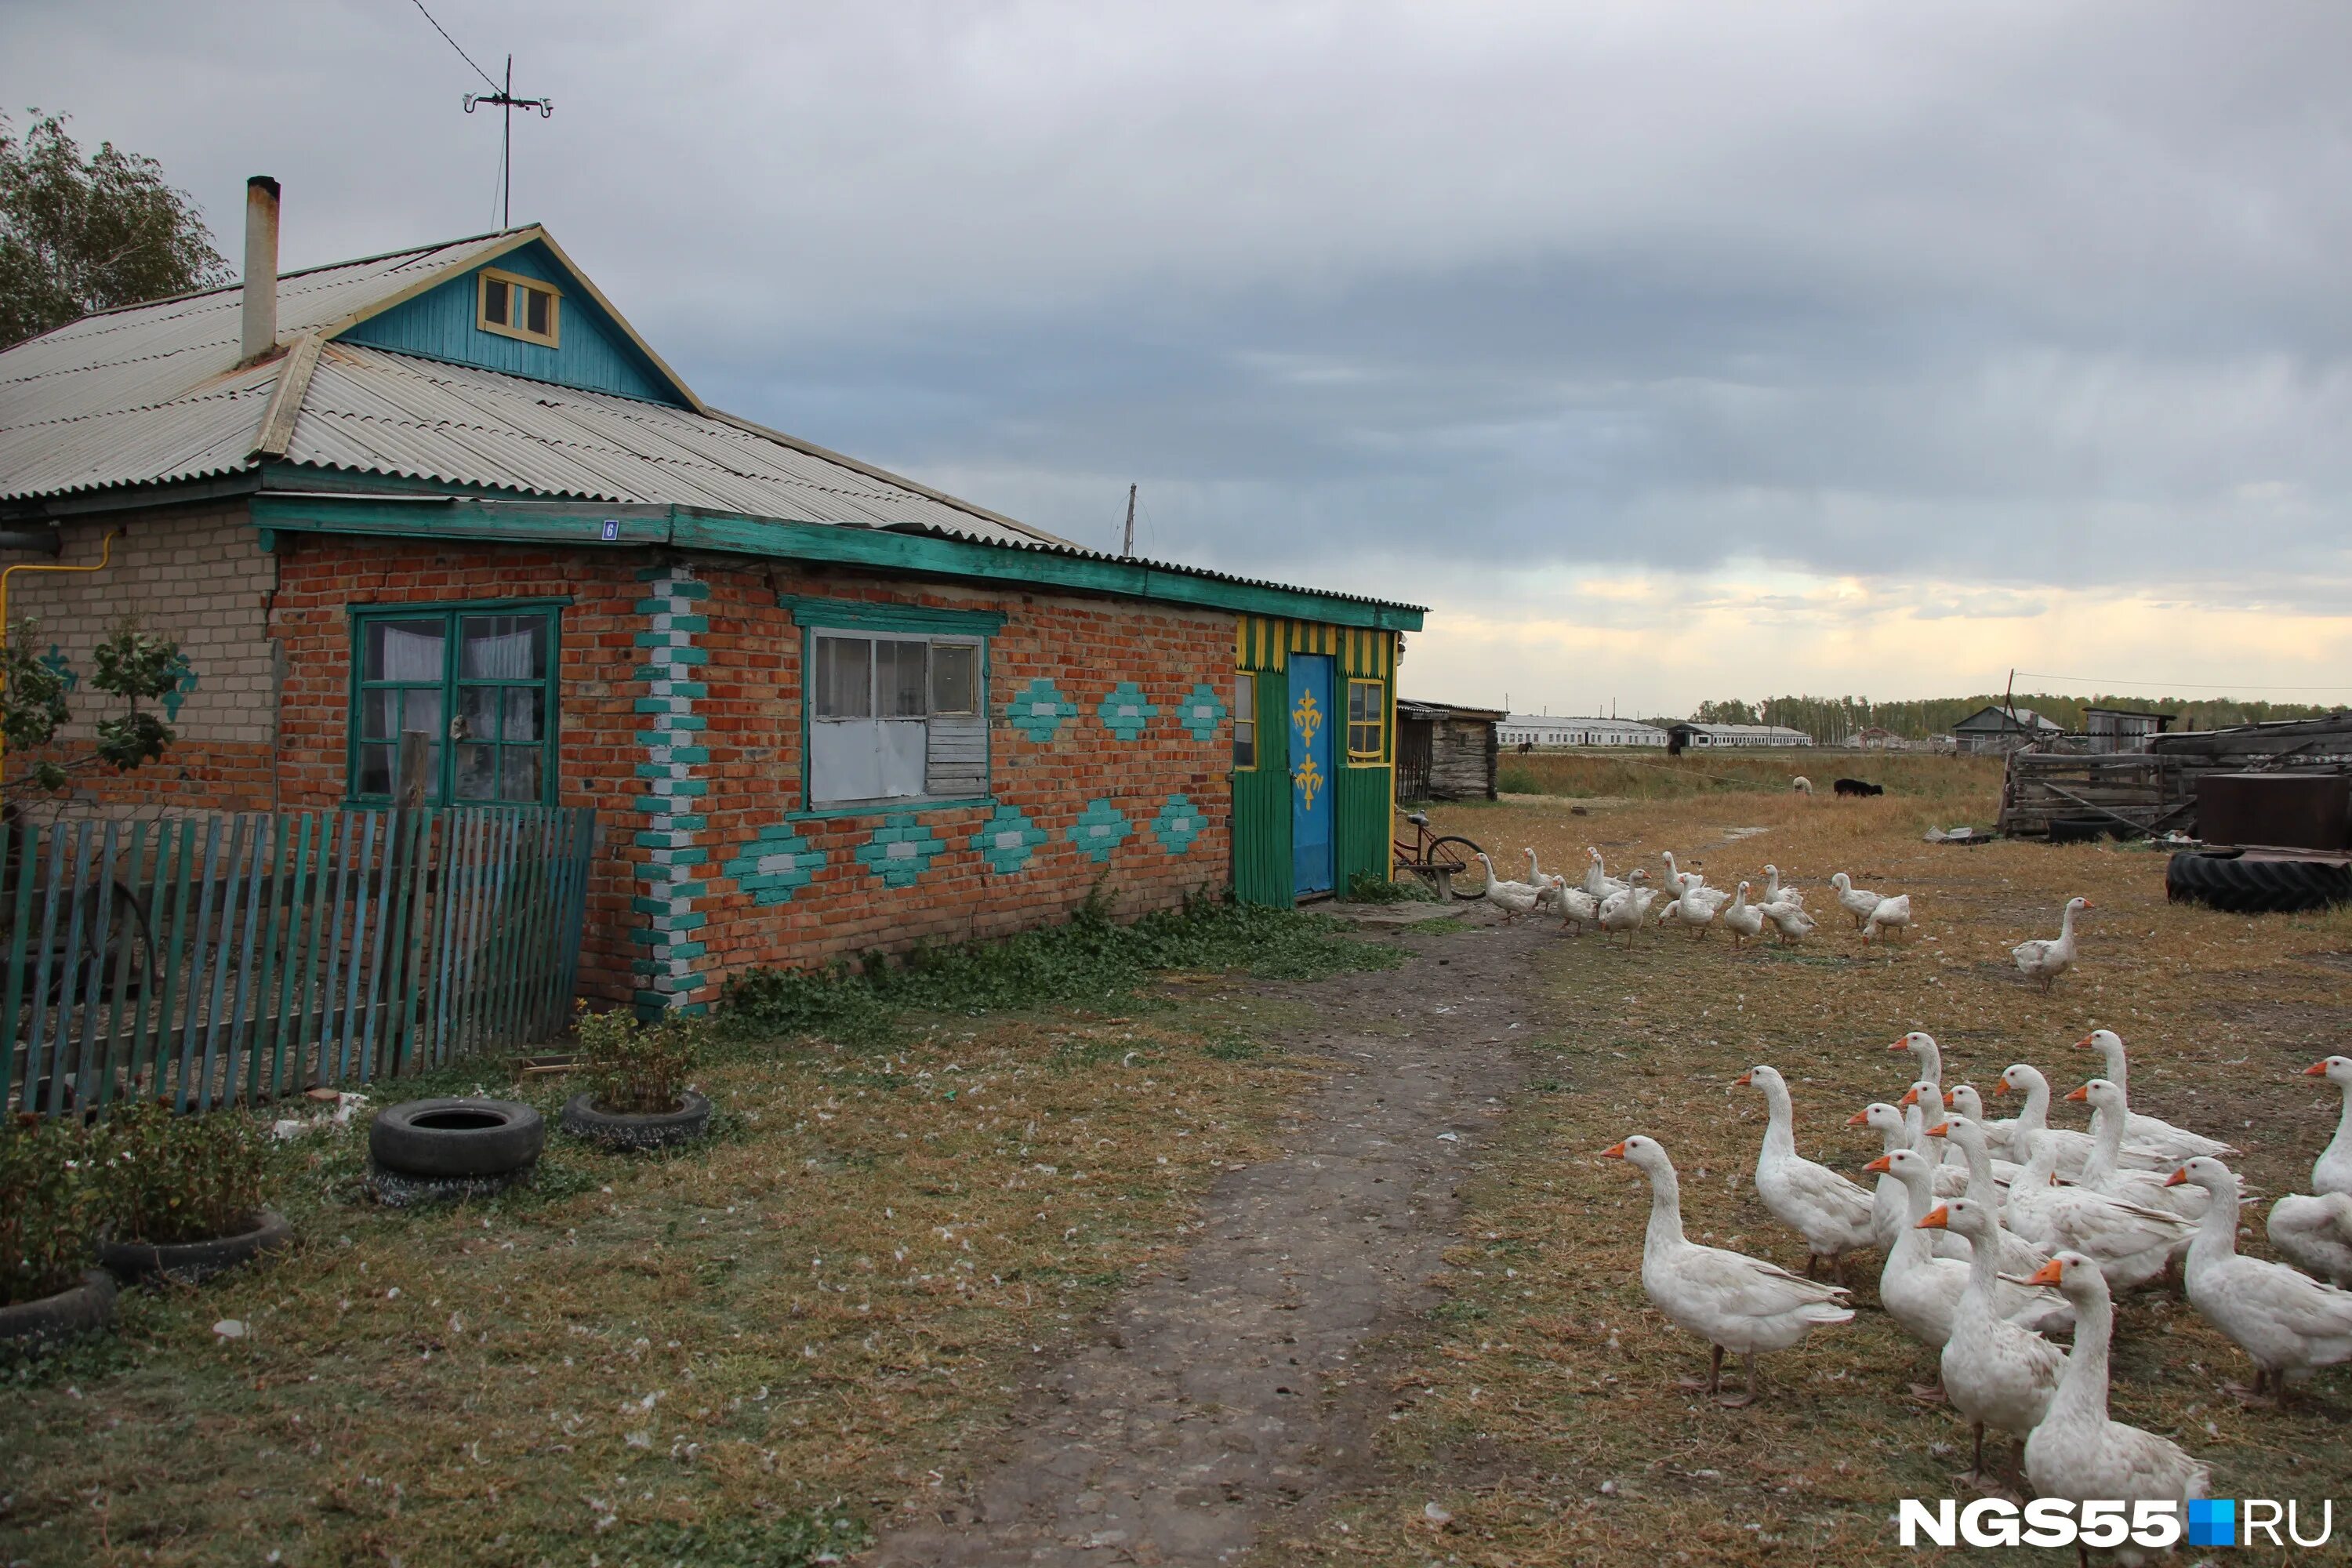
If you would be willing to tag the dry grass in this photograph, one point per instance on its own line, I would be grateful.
(1540, 1407)
(712, 1357)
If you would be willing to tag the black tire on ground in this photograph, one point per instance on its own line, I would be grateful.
(649, 1130)
(192, 1262)
(84, 1307)
(1449, 882)
(457, 1137)
(2242, 885)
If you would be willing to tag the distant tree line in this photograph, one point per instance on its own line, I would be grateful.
(1831, 719)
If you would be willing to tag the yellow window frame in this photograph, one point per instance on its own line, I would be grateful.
(516, 284)
(1377, 723)
(1257, 752)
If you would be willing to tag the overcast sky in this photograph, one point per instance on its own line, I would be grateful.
(1665, 350)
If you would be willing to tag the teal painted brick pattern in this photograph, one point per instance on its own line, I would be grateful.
(775, 864)
(673, 756)
(901, 850)
(1202, 714)
(1099, 830)
(1126, 712)
(1008, 840)
(1179, 823)
(1039, 709)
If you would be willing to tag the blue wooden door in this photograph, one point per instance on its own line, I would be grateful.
(1310, 773)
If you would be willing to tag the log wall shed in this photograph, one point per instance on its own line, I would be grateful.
(1445, 751)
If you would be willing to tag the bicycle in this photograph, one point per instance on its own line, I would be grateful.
(1442, 860)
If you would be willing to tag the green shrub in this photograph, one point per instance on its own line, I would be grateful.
(45, 1207)
(161, 1177)
(1089, 959)
(636, 1068)
(1371, 888)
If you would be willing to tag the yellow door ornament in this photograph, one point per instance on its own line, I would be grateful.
(1306, 717)
(1308, 780)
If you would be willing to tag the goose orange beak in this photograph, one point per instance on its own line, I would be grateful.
(2049, 1273)
(1897, 1046)
(1745, 1079)
(2001, 1086)
(1939, 1218)
(1614, 1151)
(2316, 1069)
(2177, 1177)
(1881, 1166)
(2082, 1093)
(1859, 1119)
(1939, 1130)
(1948, 1100)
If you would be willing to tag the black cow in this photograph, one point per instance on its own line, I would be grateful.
(1857, 787)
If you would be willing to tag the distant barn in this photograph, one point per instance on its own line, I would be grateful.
(1444, 751)
(1689, 736)
(2116, 729)
(1997, 729)
(1551, 733)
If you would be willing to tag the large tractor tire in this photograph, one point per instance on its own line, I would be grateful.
(2239, 884)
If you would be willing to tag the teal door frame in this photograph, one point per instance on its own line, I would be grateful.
(1313, 841)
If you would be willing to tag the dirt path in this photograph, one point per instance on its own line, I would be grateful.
(1234, 1384)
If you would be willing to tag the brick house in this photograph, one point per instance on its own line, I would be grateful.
(820, 709)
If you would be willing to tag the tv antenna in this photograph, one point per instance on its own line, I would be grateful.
(504, 99)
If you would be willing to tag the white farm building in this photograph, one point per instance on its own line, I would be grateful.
(1724, 736)
(1545, 733)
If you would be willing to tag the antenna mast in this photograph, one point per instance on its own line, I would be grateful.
(1127, 545)
(507, 102)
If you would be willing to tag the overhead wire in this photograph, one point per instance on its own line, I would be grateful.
(454, 45)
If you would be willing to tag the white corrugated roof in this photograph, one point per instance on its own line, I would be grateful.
(152, 393)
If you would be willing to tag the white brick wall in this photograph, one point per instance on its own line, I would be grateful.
(197, 577)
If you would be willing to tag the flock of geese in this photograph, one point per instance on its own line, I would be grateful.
(1996, 1235)
(1609, 904)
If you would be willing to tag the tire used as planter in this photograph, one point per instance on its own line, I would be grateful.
(192, 1262)
(2243, 884)
(647, 1130)
(79, 1309)
(423, 1150)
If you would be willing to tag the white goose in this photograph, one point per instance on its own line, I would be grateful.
(1888, 1202)
(1578, 908)
(2105, 1172)
(1963, 1098)
(1735, 1302)
(1927, 1053)
(2289, 1323)
(1627, 912)
(1855, 902)
(2130, 1243)
(2017, 1255)
(1597, 879)
(2171, 1145)
(1921, 1290)
(1712, 898)
(2077, 1453)
(1995, 1373)
(1831, 1213)
(1514, 898)
(1792, 923)
(2045, 960)
(1742, 919)
(2313, 1232)
(1776, 893)
(2332, 1173)
(2071, 1151)
(1888, 915)
(1918, 1102)
(1688, 910)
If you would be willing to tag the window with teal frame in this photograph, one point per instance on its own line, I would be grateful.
(477, 680)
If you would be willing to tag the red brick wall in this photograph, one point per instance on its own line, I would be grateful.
(1085, 646)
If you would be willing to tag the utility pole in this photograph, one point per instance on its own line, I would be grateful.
(1127, 545)
(507, 102)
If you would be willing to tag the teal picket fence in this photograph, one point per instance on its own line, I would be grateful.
(213, 959)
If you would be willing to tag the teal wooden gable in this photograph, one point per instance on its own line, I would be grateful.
(594, 351)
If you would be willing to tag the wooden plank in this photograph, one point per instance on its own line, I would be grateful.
(334, 976)
(354, 957)
(224, 943)
(41, 1047)
(133, 869)
(240, 1053)
(98, 892)
(291, 904)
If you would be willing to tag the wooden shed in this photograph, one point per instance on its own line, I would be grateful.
(1445, 751)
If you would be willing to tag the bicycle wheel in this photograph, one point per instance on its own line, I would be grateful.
(1453, 868)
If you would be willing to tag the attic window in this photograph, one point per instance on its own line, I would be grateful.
(521, 308)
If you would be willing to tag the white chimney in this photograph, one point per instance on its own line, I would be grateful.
(260, 267)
